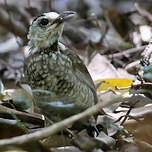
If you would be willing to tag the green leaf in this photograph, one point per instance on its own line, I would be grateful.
(148, 68)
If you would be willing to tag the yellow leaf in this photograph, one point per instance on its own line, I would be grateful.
(113, 83)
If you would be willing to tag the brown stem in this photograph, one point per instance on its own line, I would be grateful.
(126, 52)
(143, 12)
(57, 126)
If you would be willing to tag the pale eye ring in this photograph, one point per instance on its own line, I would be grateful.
(44, 21)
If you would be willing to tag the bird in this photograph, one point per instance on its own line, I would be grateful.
(146, 63)
(145, 71)
(60, 81)
(146, 56)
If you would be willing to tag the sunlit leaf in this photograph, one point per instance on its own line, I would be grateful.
(113, 83)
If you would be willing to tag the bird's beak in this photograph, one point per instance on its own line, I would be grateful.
(64, 16)
(67, 15)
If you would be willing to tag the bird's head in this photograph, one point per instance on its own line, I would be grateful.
(46, 29)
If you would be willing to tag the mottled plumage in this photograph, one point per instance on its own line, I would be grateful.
(56, 69)
(146, 56)
(146, 63)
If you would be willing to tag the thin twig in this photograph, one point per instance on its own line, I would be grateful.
(145, 85)
(143, 12)
(126, 116)
(126, 52)
(50, 4)
(122, 88)
(28, 3)
(57, 126)
(12, 26)
(142, 84)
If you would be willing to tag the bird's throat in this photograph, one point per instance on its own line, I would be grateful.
(54, 47)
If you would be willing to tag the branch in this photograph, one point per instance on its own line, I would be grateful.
(143, 85)
(11, 26)
(143, 12)
(126, 52)
(58, 126)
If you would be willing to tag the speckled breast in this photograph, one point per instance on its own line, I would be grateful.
(53, 72)
(48, 70)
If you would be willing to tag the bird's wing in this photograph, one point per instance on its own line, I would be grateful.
(81, 71)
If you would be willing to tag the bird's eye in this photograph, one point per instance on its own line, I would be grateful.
(44, 21)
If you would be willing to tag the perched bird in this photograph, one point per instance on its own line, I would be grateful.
(145, 71)
(146, 56)
(61, 83)
(146, 63)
